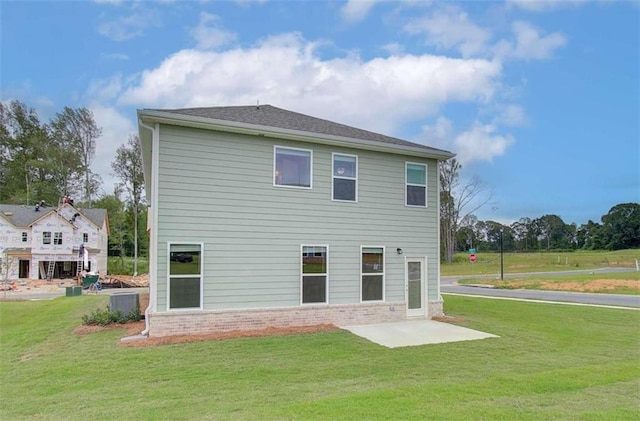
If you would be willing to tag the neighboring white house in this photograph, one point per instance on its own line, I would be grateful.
(31, 237)
(265, 217)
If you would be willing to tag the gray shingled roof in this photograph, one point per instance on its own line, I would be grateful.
(270, 116)
(23, 216)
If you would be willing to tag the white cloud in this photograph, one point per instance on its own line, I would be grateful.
(438, 135)
(511, 115)
(357, 10)
(543, 5)
(131, 26)
(450, 28)
(480, 143)
(209, 35)
(116, 129)
(378, 94)
(529, 43)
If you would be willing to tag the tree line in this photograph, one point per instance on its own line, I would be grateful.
(462, 230)
(45, 161)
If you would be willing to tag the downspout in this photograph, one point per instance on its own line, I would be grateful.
(153, 245)
(438, 258)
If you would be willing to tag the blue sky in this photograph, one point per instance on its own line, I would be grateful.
(540, 100)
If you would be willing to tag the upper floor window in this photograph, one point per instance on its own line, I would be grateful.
(292, 167)
(57, 238)
(24, 236)
(345, 177)
(314, 274)
(416, 184)
(85, 237)
(46, 237)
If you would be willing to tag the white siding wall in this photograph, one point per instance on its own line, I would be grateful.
(218, 188)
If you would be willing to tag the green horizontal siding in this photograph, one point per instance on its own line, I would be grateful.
(217, 188)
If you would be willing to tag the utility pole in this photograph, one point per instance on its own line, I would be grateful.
(501, 256)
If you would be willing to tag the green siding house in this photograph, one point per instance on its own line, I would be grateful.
(262, 217)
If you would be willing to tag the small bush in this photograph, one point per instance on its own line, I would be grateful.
(104, 317)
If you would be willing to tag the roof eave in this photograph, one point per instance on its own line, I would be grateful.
(154, 116)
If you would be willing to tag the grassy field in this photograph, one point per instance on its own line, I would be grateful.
(610, 283)
(489, 263)
(550, 362)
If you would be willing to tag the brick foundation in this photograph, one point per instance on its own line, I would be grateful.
(204, 322)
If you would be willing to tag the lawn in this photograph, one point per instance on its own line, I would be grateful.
(550, 362)
(609, 283)
(489, 262)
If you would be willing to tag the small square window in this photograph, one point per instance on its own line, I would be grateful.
(292, 167)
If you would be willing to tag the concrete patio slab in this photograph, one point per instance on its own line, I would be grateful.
(415, 332)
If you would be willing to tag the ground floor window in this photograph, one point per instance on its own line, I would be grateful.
(185, 269)
(314, 274)
(372, 273)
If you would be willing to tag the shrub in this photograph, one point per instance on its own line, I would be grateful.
(104, 317)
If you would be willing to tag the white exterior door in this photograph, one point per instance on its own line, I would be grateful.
(415, 286)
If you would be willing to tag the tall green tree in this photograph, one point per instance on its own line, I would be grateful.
(75, 132)
(27, 170)
(127, 167)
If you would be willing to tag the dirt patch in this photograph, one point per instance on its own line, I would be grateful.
(449, 319)
(272, 331)
(591, 286)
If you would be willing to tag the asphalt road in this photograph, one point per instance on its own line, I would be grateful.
(448, 285)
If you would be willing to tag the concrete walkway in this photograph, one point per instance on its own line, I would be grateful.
(415, 332)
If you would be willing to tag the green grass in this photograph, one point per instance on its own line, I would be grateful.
(489, 263)
(616, 283)
(550, 362)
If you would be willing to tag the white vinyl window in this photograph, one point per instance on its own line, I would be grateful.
(85, 237)
(292, 167)
(185, 269)
(372, 267)
(46, 237)
(24, 236)
(314, 274)
(57, 238)
(345, 177)
(416, 184)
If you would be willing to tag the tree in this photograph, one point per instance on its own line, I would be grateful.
(456, 202)
(27, 173)
(621, 226)
(76, 133)
(127, 167)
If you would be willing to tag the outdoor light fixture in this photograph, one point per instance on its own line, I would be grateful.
(399, 250)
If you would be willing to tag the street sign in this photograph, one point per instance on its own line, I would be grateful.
(472, 251)
(472, 258)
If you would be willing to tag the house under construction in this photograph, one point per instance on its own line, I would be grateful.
(49, 242)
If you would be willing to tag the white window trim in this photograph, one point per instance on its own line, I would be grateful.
(326, 282)
(275, 148)
(85, 235)
(384, 271)
(57, 236)
(333, 176)
(406, 183)
(201, 275)
(44, 236)
(25, 236)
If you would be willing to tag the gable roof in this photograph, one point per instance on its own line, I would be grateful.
(287, 122)
(22, 216)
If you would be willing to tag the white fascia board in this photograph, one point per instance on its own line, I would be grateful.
(151, 116)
